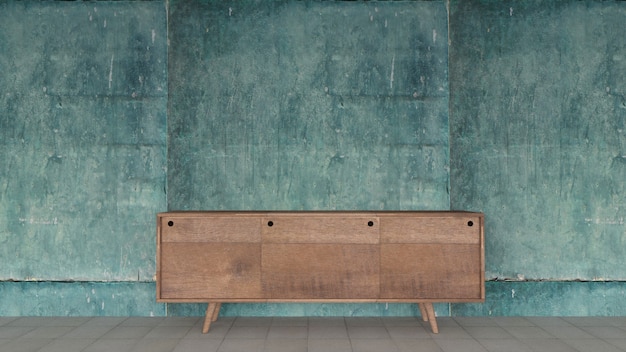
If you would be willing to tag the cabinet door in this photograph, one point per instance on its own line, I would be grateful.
(203, 271)
(438, 257)
(430, 271)
(320, 257)
(209, 257)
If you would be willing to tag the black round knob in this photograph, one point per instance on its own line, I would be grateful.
(170, 223)
(470, 223)
(270, 223)
(370, 223)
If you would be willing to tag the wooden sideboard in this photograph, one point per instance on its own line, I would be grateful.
(419, 257)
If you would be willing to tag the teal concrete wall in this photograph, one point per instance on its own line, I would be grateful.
(308, 105)
(83, 97)
(538, 135)
(516, 109)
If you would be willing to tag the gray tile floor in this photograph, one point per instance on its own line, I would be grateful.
(506, 334)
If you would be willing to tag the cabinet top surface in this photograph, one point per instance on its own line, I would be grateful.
(410, 213)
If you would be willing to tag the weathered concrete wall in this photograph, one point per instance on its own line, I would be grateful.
(308, 105)
(311, 105)
(538, 134)
(83, 95)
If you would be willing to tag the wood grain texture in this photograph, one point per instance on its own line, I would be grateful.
(208, 316)
(322, 228)
(210, 271)
(448, 272)
(317, 256)
(432, 229)
(316, 271)
(211, 229)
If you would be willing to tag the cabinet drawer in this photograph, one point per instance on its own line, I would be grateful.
(440, 229)
(243, 229)
(320, 229)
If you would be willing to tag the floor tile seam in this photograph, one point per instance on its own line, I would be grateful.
(611, 343)
(591, 330)
(551, 338)
(54, 337)
(511, 339)
(230, 326)
(8, 320)
(590, 337)
(113, 326)
(549, 321)
(89, 345)
(391, 336)
(350, 340)
(74, 329)
(437, 341)
(153, 328)
(134, 341)
(570, 342)
(464, 328)
(542, 329)
(15, 343)
(511, 321)
(366, 326)
(473, 321)
(608, 341)
(195, 320)
(599, 323)
(393, 342)
(30, 328)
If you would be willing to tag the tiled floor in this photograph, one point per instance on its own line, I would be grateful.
(510, 334)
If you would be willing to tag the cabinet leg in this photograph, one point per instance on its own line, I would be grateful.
(208, 317)
(216, 313)
(430, 312)
(423, 311)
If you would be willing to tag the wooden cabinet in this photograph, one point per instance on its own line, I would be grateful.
(418, 257)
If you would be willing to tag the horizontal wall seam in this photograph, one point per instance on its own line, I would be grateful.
(551, 280)
(76, 281)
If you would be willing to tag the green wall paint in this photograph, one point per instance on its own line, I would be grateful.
(538, 134)
(311, 105)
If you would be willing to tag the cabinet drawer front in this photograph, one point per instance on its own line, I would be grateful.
(454, 229)
(210, 271)
(244, 229)
(431, 271)
(320, 229)
(320, 271)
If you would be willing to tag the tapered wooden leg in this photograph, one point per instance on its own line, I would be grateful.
(216, 313)
(430, 312)
(423, 311)
(208, 317)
